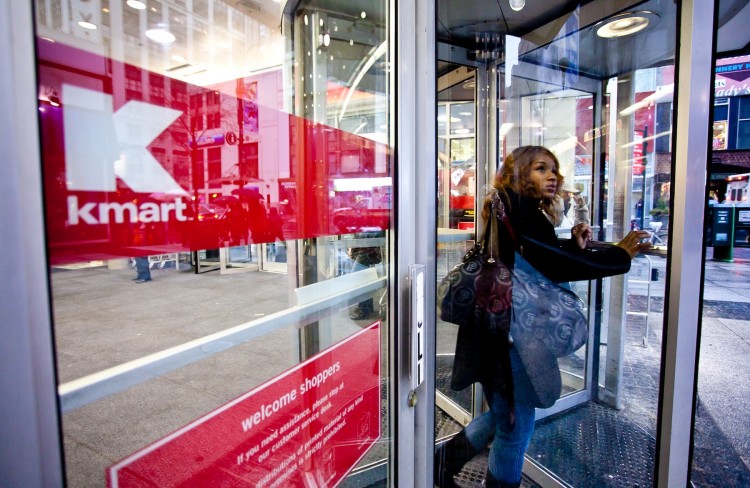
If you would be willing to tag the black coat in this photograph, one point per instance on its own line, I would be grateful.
(483, 355)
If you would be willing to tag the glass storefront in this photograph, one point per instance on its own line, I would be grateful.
(218, 185)
(224, 219)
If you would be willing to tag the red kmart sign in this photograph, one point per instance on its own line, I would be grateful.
(125, 173)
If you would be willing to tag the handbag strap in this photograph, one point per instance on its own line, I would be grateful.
(498, 209)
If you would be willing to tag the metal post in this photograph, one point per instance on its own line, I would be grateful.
(691, 148)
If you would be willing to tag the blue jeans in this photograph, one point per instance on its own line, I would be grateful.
(142, 268)
(508, 446)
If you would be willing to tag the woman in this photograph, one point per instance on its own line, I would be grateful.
(526, 187)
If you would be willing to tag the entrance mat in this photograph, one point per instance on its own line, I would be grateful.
(473, 473)
(593, 445)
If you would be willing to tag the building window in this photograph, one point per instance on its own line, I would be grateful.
(743, 124)
(214, 167)
(720, 139)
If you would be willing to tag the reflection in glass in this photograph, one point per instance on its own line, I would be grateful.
(253, 180)
(720, 450)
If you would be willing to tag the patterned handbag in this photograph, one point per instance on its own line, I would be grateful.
(545, 311)
(476, 295)
(479, 284)
(548, 323)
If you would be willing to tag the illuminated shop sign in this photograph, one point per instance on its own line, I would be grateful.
(732, 76)
(307, 427)
(210, 141)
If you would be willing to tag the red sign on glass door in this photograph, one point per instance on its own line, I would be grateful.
(307, 427)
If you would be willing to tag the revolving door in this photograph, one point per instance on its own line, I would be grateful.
(601, 101)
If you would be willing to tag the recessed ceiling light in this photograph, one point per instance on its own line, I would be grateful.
(625, 24)
(517, 5)
(160, 34)
(136, 4)
(87, 25)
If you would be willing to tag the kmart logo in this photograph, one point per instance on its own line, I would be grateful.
(102, 145)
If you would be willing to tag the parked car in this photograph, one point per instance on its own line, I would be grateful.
(366, 214)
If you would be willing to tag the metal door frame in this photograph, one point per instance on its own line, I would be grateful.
(414, 240)
(27, 359)
(26, 350)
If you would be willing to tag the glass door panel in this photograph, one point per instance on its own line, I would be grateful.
(614, 152)
(235, 136)
(724, 342)
(456, 220)
(602, 103)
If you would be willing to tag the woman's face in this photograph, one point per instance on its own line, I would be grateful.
(543, 175)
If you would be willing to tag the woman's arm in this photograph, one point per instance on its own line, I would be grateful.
(565, 261)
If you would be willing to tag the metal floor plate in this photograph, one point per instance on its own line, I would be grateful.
(592, 446)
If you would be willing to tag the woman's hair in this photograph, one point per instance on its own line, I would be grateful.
(515, 174)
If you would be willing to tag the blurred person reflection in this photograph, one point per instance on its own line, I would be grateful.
(142, 269)
(275, 232)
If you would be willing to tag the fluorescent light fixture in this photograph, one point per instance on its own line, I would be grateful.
(160, 34)
(505, 128)
(87, 25)
(565, 145)
(375, 54)
(136, 4)
(660, 94)
(360, 184)
(625, 24)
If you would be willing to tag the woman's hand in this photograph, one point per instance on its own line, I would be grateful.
(581, 233)
(635, 242)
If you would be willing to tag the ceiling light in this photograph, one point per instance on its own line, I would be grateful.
(625, 24)
(87, 25)
(517, 4)
(136, 4)
(160, 34)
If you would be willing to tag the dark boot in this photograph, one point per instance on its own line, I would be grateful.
(491, 482)
(450, 458)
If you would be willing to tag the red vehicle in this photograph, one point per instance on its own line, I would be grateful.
(366, 214)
